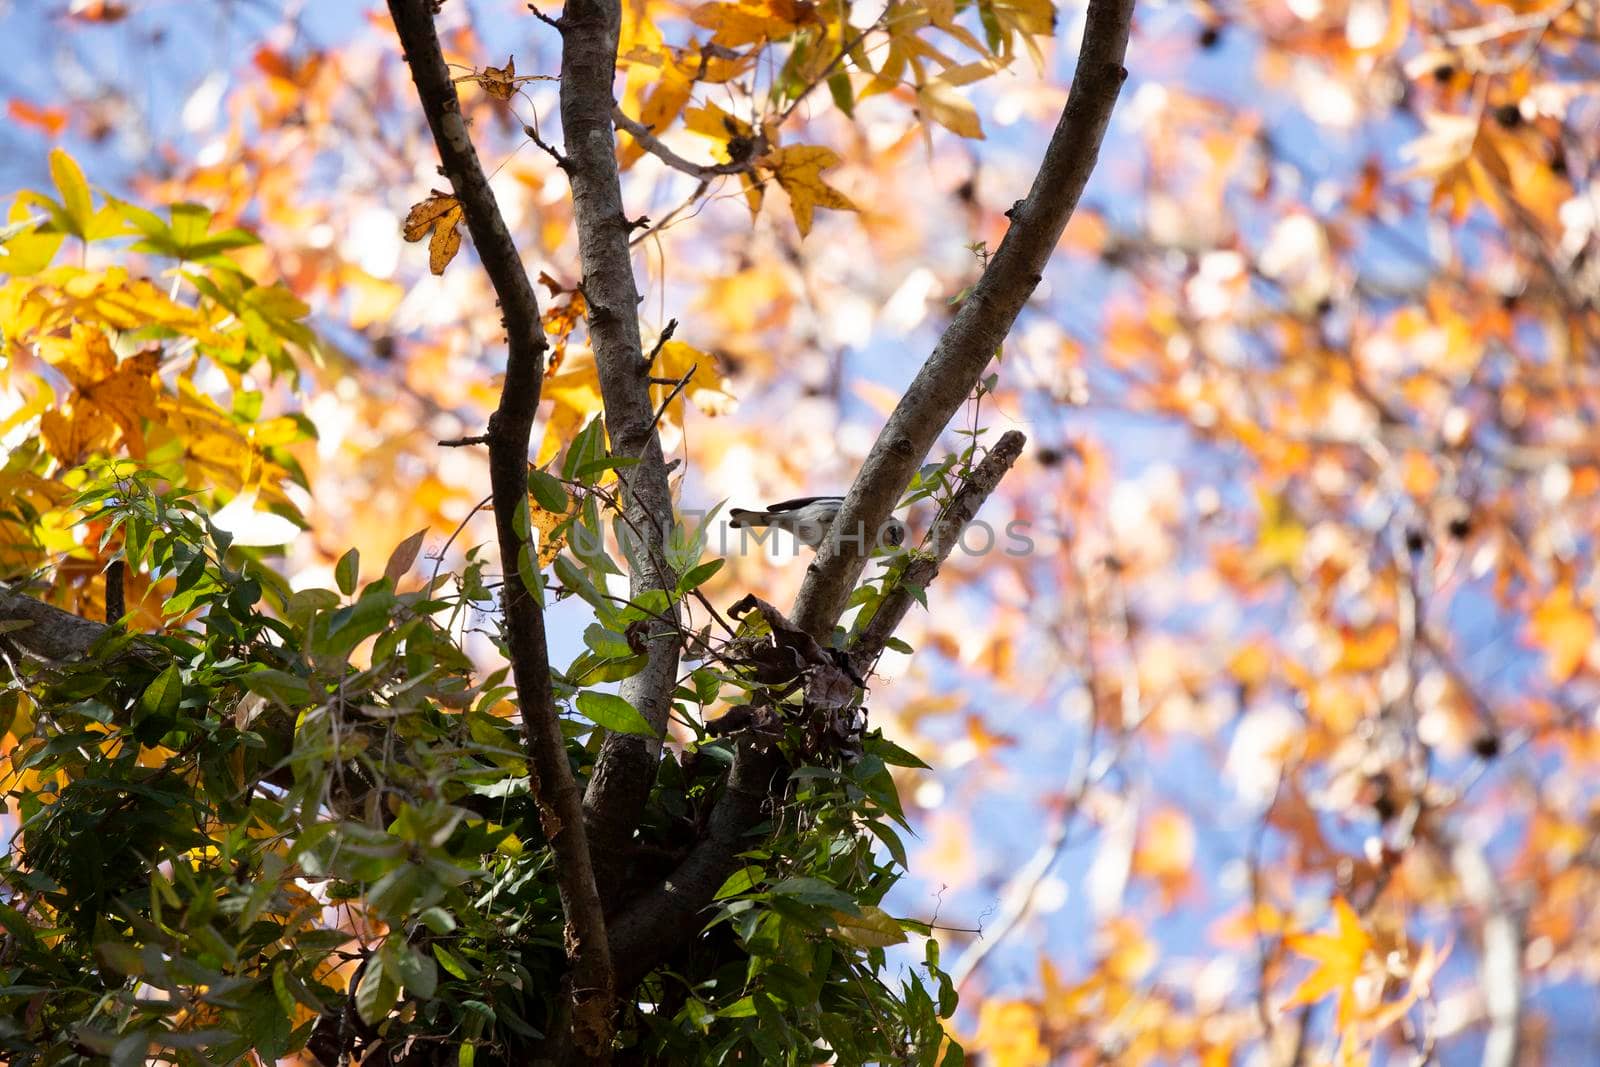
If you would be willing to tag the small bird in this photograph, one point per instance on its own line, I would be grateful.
(810, 519)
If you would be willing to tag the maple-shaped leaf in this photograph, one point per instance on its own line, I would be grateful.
(545, 522)
(575, 393)
(562, 315)
(123, 391)
(798, 169)
(1339, 956)
(440, 213)
(1565, 629)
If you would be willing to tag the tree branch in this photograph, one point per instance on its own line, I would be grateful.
(658, 148)
(1500, 960)
(946, 534)
(626, 766)
(654, 926)
(975, 334)
(51, 633)
(554, 790)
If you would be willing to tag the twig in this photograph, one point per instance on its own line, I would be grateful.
(656, 147)
(546, 19)
(661, 342)
(462, 442)
(677, 388)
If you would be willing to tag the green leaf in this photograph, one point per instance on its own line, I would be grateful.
(843, 95)
(453, 964)
(604, 463)
(814, 891)
(419, 973)
(589, 445)
(547, 491)
(695, 577)
(741, 881)
(74, 190)
(285, 688)
(532, 578)
(613, 713)
(348, 571)
(438, 920)
(378, 991)
(160, 697)
(892, 753)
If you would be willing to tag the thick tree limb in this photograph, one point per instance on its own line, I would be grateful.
(658, 923)
(555, 791)
(655, 926)
(974, 335)
(51, 633)
(868, 645)
(626, 767)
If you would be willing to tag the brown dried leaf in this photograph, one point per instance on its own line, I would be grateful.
(442, 214)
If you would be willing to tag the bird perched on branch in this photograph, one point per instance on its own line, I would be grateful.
(810, 519)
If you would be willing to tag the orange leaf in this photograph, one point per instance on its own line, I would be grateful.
(52, 120)
(1565, 629)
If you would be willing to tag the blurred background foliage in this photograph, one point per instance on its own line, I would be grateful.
(1277, 745)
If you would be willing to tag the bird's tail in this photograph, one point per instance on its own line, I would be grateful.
(742, 517)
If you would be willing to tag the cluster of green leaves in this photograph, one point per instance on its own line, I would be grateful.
(306, 790)
(260, 818)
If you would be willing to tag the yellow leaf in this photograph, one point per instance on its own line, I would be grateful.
(707, 388)
(575, 393)
(734, 136)
(941, 103)
(1281, 537)
(544, 522)
(72, 435)
(753, 22)
(872, 928)
(440, 213)
(798, 169)
(1339, 957)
